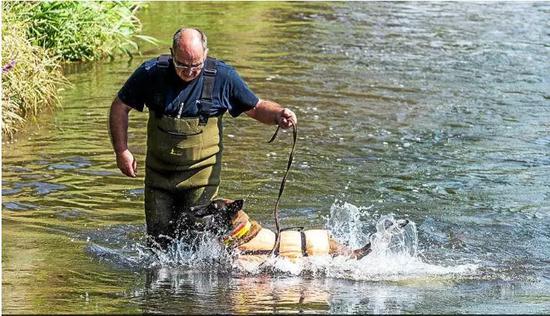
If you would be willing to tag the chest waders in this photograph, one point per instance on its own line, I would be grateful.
(183, 163)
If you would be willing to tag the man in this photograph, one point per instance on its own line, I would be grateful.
(186, 94)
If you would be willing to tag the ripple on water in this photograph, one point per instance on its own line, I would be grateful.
(7, 192)
(17, 206)
(73, 163)
(101, 173)
(545, 141)
(16, 169)
(40, 188)
(134, 193)
(71, 214)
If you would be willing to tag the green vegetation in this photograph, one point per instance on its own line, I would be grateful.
(30, 76)
(85, 30)
(38, 36)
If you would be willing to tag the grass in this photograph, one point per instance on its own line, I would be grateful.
(38, 37)
(83, 30)
(30, 76)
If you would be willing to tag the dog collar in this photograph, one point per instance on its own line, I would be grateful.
(240, 231)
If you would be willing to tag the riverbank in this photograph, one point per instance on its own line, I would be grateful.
(39, 37)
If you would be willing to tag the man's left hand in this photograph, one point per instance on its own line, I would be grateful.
(286, 118)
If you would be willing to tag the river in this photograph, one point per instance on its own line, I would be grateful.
(435, 112)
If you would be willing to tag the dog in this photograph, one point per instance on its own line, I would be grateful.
(249, 241)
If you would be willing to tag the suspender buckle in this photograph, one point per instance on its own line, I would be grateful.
(163, 61)
(205, 107)
(203, 119)
(210, 72)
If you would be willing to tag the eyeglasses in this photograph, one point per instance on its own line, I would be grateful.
(186, 67)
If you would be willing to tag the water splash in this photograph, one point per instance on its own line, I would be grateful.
(205, 252)
(347, 225)
(394, 255)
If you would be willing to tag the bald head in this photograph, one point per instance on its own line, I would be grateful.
(189, 39)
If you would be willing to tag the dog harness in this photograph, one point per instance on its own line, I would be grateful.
(251, 239)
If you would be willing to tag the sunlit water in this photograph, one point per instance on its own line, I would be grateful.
(433, 112)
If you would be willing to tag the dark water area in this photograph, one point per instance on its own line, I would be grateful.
(435, 112)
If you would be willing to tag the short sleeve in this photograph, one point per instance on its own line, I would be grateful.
(241, 97)
(134, 91)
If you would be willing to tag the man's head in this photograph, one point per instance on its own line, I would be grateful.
(189, 52)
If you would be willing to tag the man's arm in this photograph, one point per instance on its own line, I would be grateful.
(271, 113)
(118, 128)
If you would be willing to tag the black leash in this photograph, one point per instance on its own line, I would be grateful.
(282, 187)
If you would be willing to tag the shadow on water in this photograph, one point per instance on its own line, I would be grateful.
(433, 112)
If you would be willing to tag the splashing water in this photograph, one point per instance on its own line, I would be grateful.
(346, 225)
(203, 253)
(394, 254)
(207, 254)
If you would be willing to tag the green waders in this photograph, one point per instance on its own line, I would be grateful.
(183, 169)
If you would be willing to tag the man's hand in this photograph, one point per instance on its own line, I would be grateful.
(286, 118)
(126, 162)
(269, 112)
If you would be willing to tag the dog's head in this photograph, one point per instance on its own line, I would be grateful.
(218, 216)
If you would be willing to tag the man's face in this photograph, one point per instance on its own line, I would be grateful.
(188, 64)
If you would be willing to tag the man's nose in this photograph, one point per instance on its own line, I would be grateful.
(192, 72)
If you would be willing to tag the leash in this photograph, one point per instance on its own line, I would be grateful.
(282, 187)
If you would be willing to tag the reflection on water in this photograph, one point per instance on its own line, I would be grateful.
(434, 112)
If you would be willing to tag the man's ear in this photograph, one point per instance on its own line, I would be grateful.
(236, 206)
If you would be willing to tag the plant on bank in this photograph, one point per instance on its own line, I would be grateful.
(84, 30)
(30, 76)
(38, 36)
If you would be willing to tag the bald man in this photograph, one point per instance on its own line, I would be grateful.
(186, 94)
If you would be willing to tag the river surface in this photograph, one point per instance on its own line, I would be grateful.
(438, 113)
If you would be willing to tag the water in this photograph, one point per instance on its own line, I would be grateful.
(433, 112)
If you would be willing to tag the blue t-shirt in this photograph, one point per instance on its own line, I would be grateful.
(230, 92)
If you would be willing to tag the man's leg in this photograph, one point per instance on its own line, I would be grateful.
(164, 212)
(197, 196)
(160, 216)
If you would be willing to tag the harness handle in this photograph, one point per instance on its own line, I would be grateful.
(282, 187)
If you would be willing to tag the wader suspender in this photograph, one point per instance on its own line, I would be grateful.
(205, 102)
(163, 62)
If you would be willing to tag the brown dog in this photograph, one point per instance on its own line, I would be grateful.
(250, 241)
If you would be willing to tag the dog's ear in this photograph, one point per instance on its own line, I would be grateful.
(200, 210)
(234, 207)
